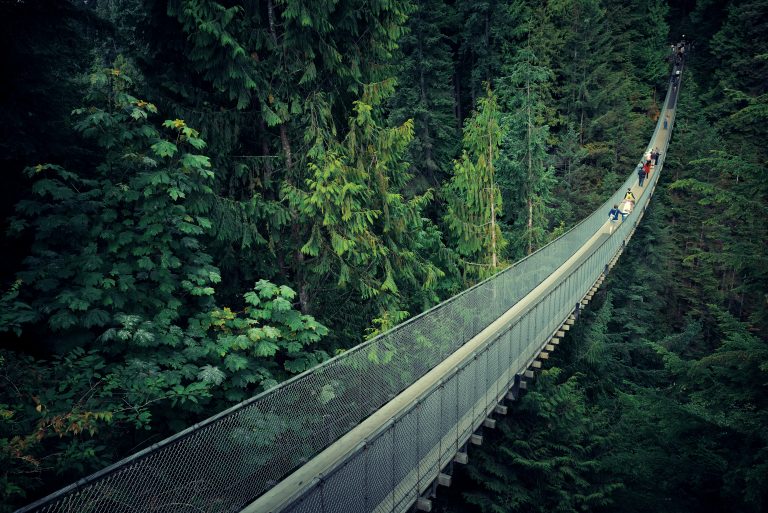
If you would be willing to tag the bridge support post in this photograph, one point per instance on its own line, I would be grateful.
(423, 504)
(514, 392)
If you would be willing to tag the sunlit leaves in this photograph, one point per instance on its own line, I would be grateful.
(359, 224)
(474, 202)
(210, 374)
(164, 149)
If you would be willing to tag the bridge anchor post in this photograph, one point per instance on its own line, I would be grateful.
(423, 504)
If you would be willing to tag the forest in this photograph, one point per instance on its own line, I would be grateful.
(207, 197)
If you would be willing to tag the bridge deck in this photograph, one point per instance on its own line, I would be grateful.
(451, 368)
(309, 489)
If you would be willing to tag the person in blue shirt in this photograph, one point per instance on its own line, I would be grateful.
(613, 217)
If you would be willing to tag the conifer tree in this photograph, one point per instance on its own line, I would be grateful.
(583, 63)
(262, 65)
(486, 27)
(362, 232)
(548, 459)
(424, 90)
(527, 176)
(569, 169)
(474, 202)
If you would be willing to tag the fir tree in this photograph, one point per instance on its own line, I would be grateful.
(548, 459)
(527, 177)
(425, 93)
(363, 232)
(473, 198)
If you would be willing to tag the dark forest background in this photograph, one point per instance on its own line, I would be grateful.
(203, 198)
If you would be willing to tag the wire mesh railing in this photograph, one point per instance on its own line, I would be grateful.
(229, 460)
(398, 463)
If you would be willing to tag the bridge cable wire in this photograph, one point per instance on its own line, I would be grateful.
(371, 429)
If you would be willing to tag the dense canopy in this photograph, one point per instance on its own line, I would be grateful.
(204, 198)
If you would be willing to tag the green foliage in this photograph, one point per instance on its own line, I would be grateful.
(119, 287)
(425, 93)
(132, 245)
(723, 391)
(362, 230)
(263, 344)
(122, 238)
(60, 419)
(527, 178)
(549, 458)
(117, 239)
(474, 201)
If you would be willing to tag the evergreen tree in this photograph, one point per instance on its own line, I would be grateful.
(548, 459)
(527, 178)
(425, 91)
(473, 198)
(568, 164)
(261, 64)
(486, 26)
(363, 233)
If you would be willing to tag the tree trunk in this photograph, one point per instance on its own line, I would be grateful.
(267, 181)
(530, 225)
(530, 165)
(271, 17)
(286, 147)
(426, 142)
(493, 201)
(457, 98)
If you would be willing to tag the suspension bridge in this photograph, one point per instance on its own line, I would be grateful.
(379, 428)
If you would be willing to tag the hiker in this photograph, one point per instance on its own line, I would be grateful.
(640, 175)
(666, 120)
(676, 79)
(646, 170)
(613, 217)
(655, 156)
(628, 203)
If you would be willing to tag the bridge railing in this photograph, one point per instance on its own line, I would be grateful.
(396, 464)
(229, 460)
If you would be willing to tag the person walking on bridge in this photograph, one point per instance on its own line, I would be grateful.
(641, 175)
(613, 218)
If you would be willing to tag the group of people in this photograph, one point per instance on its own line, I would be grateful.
(650, 161)
(677, 55)
(678, 52)
(651, 157)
